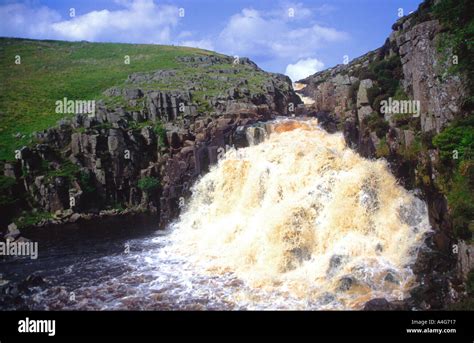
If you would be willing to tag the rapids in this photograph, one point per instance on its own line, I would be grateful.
(305, 221)
(295, 221)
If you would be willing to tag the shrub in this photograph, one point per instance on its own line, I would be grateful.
(378, 124)
(85, 181)
(377, 100)
(366, 74)
(412, 152)
(387, 73)
(402, 120)
(160, 132)
(470, 282)
(372, 93)
(382, 149)
(458, 136)
(7, 194)
(461, 200)
(67, 170)
(31, 218)
(463, 305)
(148, 184)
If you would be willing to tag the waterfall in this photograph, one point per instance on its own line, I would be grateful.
(301, 216)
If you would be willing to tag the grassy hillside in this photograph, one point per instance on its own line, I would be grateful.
(52, 70)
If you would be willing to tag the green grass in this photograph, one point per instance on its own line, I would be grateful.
(52, 70)
(28, 219)
(148, 184)
(458, 136)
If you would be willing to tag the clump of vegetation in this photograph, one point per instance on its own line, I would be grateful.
(412, 151)
(365, 74)
(423, 13)
(423, 178)
(7, 191)
(459, 136)
(31, 218)
(85, 181)
(382, 149)
(376, 123)
(372, 94)
(103, 126)
(456, 144)
(386, 73)
(204, 107)
(465, 305)
(456, 17)
(148, 184)
(67, 170)
(118, 206)
(461, 200)
(470, 283)
(160, 132)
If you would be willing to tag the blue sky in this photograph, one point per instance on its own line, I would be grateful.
(293, 37)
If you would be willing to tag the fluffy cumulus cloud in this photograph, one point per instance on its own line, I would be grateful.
(20, 20)
(201, 44)
(137, 21)
(290, 11)
(254, 33)
(303, 68)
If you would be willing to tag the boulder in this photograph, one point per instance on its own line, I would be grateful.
(12, 232)
(362, 97)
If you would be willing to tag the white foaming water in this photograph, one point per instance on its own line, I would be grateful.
(298, 221)
(306, 100)
(303, 222)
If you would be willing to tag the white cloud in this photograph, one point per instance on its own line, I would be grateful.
(185, 34)
(201, 44)
(20, 20)
(140, 21)
(251, 32)
(324, 9)
(289, 10)
(303, 68)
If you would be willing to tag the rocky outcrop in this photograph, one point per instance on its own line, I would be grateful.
(425, 77)
(408, 67)
(147, 143)
(465, 262)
